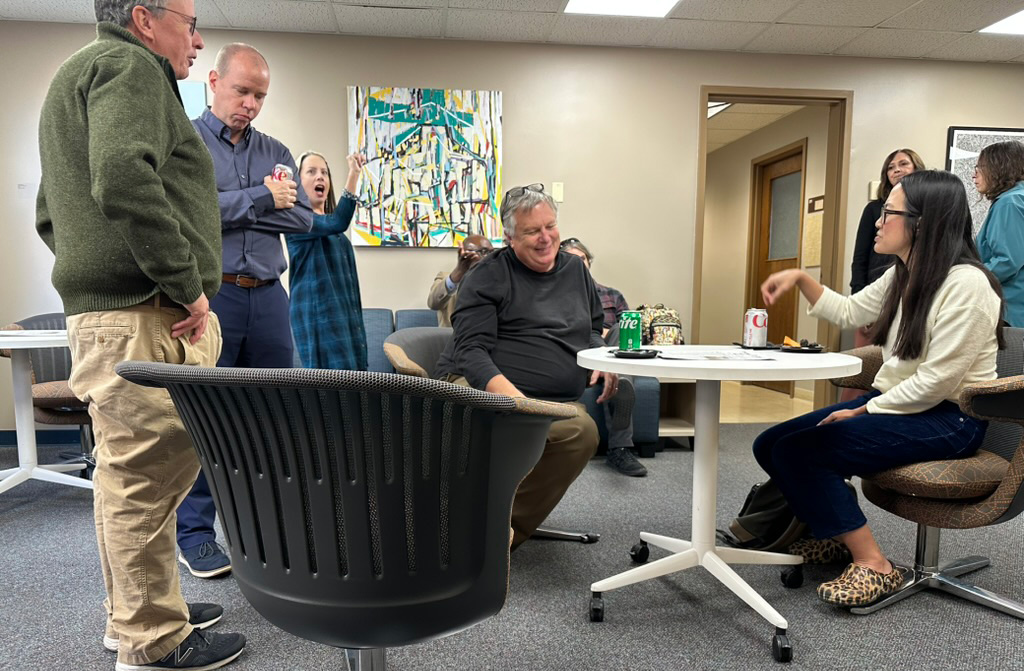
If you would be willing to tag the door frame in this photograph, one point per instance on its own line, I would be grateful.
(837, 170)
(752, 282)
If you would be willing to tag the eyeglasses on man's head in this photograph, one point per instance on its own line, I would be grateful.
(517, 191)
(192, 20)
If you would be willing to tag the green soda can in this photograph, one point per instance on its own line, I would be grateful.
(629, 330)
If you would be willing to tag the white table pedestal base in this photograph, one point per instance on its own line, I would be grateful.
(701, 551)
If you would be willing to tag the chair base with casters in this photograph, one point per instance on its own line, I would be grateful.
(545, 533)
(928, 575)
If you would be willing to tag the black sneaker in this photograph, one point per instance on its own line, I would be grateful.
(200, 616)
(199, 652)
(206, 560)
(622, 460)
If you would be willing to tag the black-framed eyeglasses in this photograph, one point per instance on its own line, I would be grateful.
(517, 191)
(192, 20)
(901, 213)
(482, 251)
(568, 241)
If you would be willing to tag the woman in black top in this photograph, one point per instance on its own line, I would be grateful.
(867, 265)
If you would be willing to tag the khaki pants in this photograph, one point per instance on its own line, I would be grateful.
(570, 445)
(145, 465)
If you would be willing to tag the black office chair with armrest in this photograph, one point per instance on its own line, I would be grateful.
(981, 490)
(362, 510)
(52, 399)
(415, 351)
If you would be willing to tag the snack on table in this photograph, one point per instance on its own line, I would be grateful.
(789, 342)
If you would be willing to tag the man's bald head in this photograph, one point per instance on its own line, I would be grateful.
(476, 242)
(230, 52)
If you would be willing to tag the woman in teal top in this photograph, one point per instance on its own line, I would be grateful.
(326, 312)
(999, 176)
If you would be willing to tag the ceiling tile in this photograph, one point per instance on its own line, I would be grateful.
(551, 6)
(498, 26)
(787, 39)
(981, 47)
(732, 10)
(603, 30)
(422, 4)
(279, 15)
(389, 22)
(210, 15)
(892, 43)
(954, 15)
(863, 13)
(64, 11)
(710, 35)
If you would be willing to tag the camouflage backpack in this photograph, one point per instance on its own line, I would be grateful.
(660, 325)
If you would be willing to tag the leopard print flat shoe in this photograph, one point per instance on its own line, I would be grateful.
(824, 551)
(860, 585)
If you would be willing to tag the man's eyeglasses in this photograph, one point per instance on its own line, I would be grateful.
(191, 19)
(482, 251)
(517, 191)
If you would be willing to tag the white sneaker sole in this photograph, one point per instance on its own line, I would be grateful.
(213, 573)
(113, 644)
(119, 666)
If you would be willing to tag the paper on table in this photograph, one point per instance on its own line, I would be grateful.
(716, 355)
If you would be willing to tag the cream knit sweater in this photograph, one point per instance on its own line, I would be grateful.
(959, 341)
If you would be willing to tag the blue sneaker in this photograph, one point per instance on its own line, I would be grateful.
(206, 560)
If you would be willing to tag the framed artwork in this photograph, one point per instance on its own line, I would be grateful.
(963, 144)
(433, 171)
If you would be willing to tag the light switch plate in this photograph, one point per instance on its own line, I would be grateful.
(557, 191)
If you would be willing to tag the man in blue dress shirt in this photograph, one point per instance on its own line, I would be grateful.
(254, 211)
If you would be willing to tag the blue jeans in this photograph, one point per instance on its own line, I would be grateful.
(809, 463)
(257, 334)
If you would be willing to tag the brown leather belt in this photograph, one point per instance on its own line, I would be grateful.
(162, 300)
(245, 282)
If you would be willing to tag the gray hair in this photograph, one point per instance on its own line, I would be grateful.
(228, 52)
(120, 11)
(522, 202)
(575, 243)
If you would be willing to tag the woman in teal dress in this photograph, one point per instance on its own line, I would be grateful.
(999, 176)
(326, 311)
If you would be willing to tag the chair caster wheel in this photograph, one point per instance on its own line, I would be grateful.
(793, 576)
(596, 607)
(782, 651)
(640, 552)
(589, 538)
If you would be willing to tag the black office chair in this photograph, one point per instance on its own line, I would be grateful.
(416, 350)
(362, 510)
(52, 399)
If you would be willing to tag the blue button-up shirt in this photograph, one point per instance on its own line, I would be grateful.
(250, 224)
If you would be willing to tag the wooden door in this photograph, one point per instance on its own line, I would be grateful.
(778, 197)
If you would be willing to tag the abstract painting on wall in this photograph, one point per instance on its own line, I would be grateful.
(963, 144)
(433, 172)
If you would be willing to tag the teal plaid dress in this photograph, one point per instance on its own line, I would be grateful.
(326, 312)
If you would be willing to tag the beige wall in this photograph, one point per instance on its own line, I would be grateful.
(618, 126)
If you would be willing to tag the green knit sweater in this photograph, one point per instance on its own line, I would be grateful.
(128, 199)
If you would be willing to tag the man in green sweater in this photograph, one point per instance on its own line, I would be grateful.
(128, 204)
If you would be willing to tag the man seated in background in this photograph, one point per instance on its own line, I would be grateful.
(446, 285)
(620, 441)
(522, 315)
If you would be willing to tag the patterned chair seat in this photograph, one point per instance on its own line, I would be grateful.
(970, 478)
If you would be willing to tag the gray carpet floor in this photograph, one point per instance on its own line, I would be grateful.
(51, 592)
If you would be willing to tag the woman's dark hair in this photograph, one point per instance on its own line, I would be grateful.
(884, 187)
(1003, 166)
(940, 235)
(575, 243)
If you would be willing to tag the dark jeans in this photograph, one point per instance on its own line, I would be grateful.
(810, 463)
(257, 334)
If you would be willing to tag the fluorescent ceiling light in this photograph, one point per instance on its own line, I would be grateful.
(715, 108)
(655, 8)
(1011, 25)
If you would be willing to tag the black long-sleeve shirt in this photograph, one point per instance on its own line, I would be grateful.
(867, 264)
(528, 326)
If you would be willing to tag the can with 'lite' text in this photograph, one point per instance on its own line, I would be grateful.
(629, 330)
(281, 173)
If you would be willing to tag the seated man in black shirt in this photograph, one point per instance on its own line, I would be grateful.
(520, 318)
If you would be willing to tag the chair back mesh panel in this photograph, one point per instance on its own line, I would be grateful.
(1003, 438)
(53, 363)
(356, 517)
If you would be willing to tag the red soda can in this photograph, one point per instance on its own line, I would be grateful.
(755, 328)
(281, 173)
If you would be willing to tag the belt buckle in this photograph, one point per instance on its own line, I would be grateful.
(238, 281)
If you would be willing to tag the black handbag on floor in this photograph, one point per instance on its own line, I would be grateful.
(765, 521)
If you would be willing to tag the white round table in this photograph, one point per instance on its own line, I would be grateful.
(700, 550)
(20, 342)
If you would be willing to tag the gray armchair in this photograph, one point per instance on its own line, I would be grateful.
(982, 490)
(362, 510)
